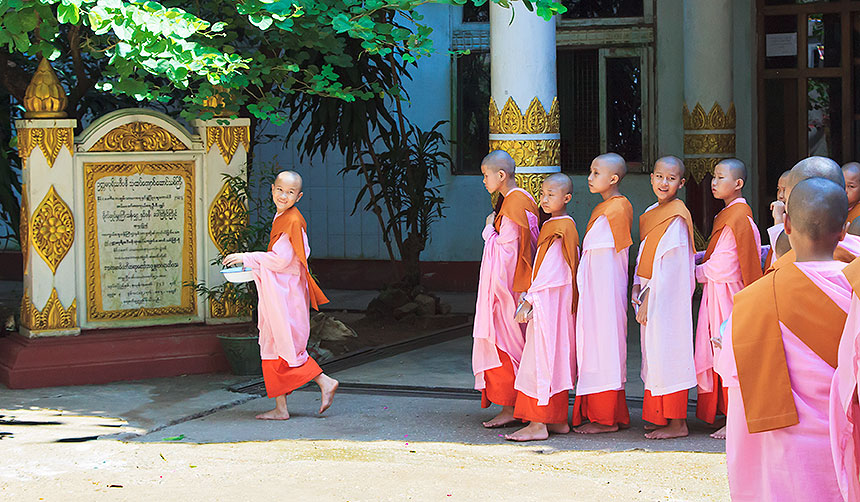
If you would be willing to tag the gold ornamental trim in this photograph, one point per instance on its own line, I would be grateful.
(531, 152)
(227, 217)
(227, 305)
(698, 168)
(698, 144)
(45, 96)
(228, 139)
(52, 231)
(536, 120)
(92, 173)
(49, 139)
(53, 316)
(715, 119)
(531, 182)
(138, 137)
(24, 228)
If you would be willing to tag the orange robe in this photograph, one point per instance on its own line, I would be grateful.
(601, 323)
(853, 213)
(548, 366)
(283, 272)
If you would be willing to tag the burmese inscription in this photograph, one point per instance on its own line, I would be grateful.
(140, 245)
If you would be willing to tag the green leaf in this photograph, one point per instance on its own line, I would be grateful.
(174, 438)
(260, 21)
(69, 14)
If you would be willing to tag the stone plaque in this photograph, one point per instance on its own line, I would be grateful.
(140, 249)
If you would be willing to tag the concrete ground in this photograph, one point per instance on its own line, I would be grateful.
(402, 427)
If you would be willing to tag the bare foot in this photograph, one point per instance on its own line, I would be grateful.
(720, 434)
(275, 414)
(534, 431)
(504, 418)
(595, 428)
(328, 386)
(676, 428)
(558, 428)
(652, 427)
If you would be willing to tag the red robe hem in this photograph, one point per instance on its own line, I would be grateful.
(282, 379)
(499, 383)
(605, 408)
(709, 404)
(555, 412)
(660, 409)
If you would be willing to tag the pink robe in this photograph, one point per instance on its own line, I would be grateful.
(793, 463)
(601, 321)
(667, 337)
(721, 277)
(548, 364)
(284, 316)
(844, 409)
(851, 243)
(494, 324)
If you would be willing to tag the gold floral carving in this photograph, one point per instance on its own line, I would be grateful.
(49, 139)
(45, 97)
(228, 139)
(138, 137)
(531, 152)
(227, 217)
(92, 173)
(715, 119)
(531, 182)
(536, 120)
(227, 305)
(52, 230)
(699, 167)
(24, 227)
(53, 316)
(709, 144)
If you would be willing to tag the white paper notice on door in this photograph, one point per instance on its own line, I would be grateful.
(781, 44)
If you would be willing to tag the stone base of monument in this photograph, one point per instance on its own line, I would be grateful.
(109, 355)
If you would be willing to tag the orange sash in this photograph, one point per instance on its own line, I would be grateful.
(654, 223)
(735, 217)
(514, 206)
(790, 297)
(565, 229)
(291, 222)
(854, 213)
(619, 212)
(852, 273)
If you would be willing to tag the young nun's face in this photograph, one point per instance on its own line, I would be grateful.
(852, 186)
(601, 177)
(666, 180)
(493, 179)
(780, 189)
(724, 185)
(553, 198)
(285, 194)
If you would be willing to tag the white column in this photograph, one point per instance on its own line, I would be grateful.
(226, 143)
(709, 112)
(524, 117)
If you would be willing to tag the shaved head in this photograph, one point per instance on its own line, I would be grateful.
(614, 162)
(816, 167)
(560, 181)
(736, 168)
(289, 178)
(854, 227)
(852, 168)
(784, 175)
(500, 160)
(672, 162)
(782, 244)
(818, 209)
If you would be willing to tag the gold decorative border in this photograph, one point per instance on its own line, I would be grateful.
(536, 120)
(531, 152)
(699, 167)
(50, 140)
(228, 139)
(226, 305)
(53, 316)
(698, 144)
(138, 137)
(715, 119)
(92, 173)
(24, 228)
(52, 230)
(227, 217)
(531, 182)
